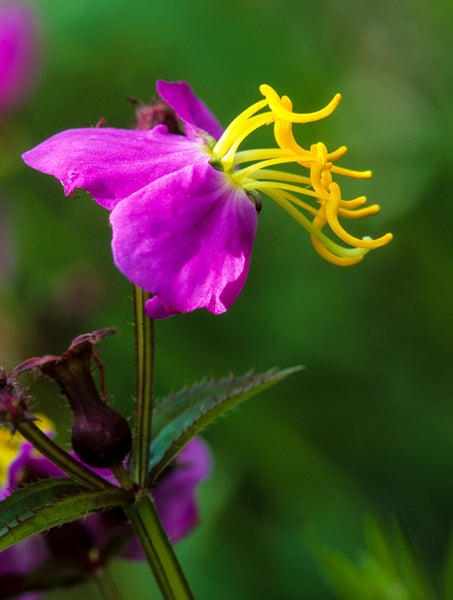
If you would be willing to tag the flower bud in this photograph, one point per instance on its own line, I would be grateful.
(148, 116)
(14, 402)
(101, 437)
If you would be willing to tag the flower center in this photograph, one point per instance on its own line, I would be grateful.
(252, 169)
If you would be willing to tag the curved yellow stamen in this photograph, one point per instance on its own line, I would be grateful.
(351, 172)
(332, 218)
(275, 104)
(247, 171)
(316, 176)
(263, 154)
(336, 154)
(285, 188)
(359, 213)
(334, 248)
(354, 203)
(283, 176)
(235, 127)
(268, 186)
(339, 261)
(248, 127)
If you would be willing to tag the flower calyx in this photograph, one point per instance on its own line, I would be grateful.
(158, 112)
(101, 437)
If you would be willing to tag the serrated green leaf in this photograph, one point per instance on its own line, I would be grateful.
(178, 418)
(51, 503)
(23, 504)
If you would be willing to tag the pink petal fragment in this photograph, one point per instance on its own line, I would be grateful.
(111, 164)
(188, 239)
(190, 109)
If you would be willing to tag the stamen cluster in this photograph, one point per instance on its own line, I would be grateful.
(285, 188)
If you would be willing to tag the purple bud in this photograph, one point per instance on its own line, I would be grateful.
(101, 437)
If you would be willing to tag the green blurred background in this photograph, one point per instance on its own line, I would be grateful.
(368, 425)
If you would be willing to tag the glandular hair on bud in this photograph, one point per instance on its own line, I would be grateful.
(101, 437)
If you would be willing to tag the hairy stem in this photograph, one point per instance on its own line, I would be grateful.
(144, 394)
(158, 550)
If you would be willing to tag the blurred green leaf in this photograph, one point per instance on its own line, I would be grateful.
(51, 503)
(179, 417)
(448, 570)
(386, 570)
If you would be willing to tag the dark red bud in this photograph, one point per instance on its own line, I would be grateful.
(101, 437)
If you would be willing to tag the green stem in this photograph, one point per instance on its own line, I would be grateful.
(158, 550)
(106, 585)
(144, 354)
(72, 467)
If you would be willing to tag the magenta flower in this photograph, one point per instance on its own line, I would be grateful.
(184, 209)
(18, 46)
(180, 230)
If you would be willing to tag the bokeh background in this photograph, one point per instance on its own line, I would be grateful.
(368, 425)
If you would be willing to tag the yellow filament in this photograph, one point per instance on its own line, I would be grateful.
(263, 154)
(340, 261)
(300, 203)
(235, 128)
(335, 249)
(283, 176)
(247, 171)
(276, 106)
(250, 126)
(277, 185)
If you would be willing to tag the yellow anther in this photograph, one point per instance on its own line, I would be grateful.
(277, 107)
(336, 154)
(352, 173)
(360, 212)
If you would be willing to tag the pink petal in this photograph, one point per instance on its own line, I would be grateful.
(111, 164)
(175, 492)
(190, 109)
(187, 238)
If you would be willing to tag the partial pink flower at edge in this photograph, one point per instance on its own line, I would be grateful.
(18, 52)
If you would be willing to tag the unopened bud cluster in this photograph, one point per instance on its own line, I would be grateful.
(14, 402)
